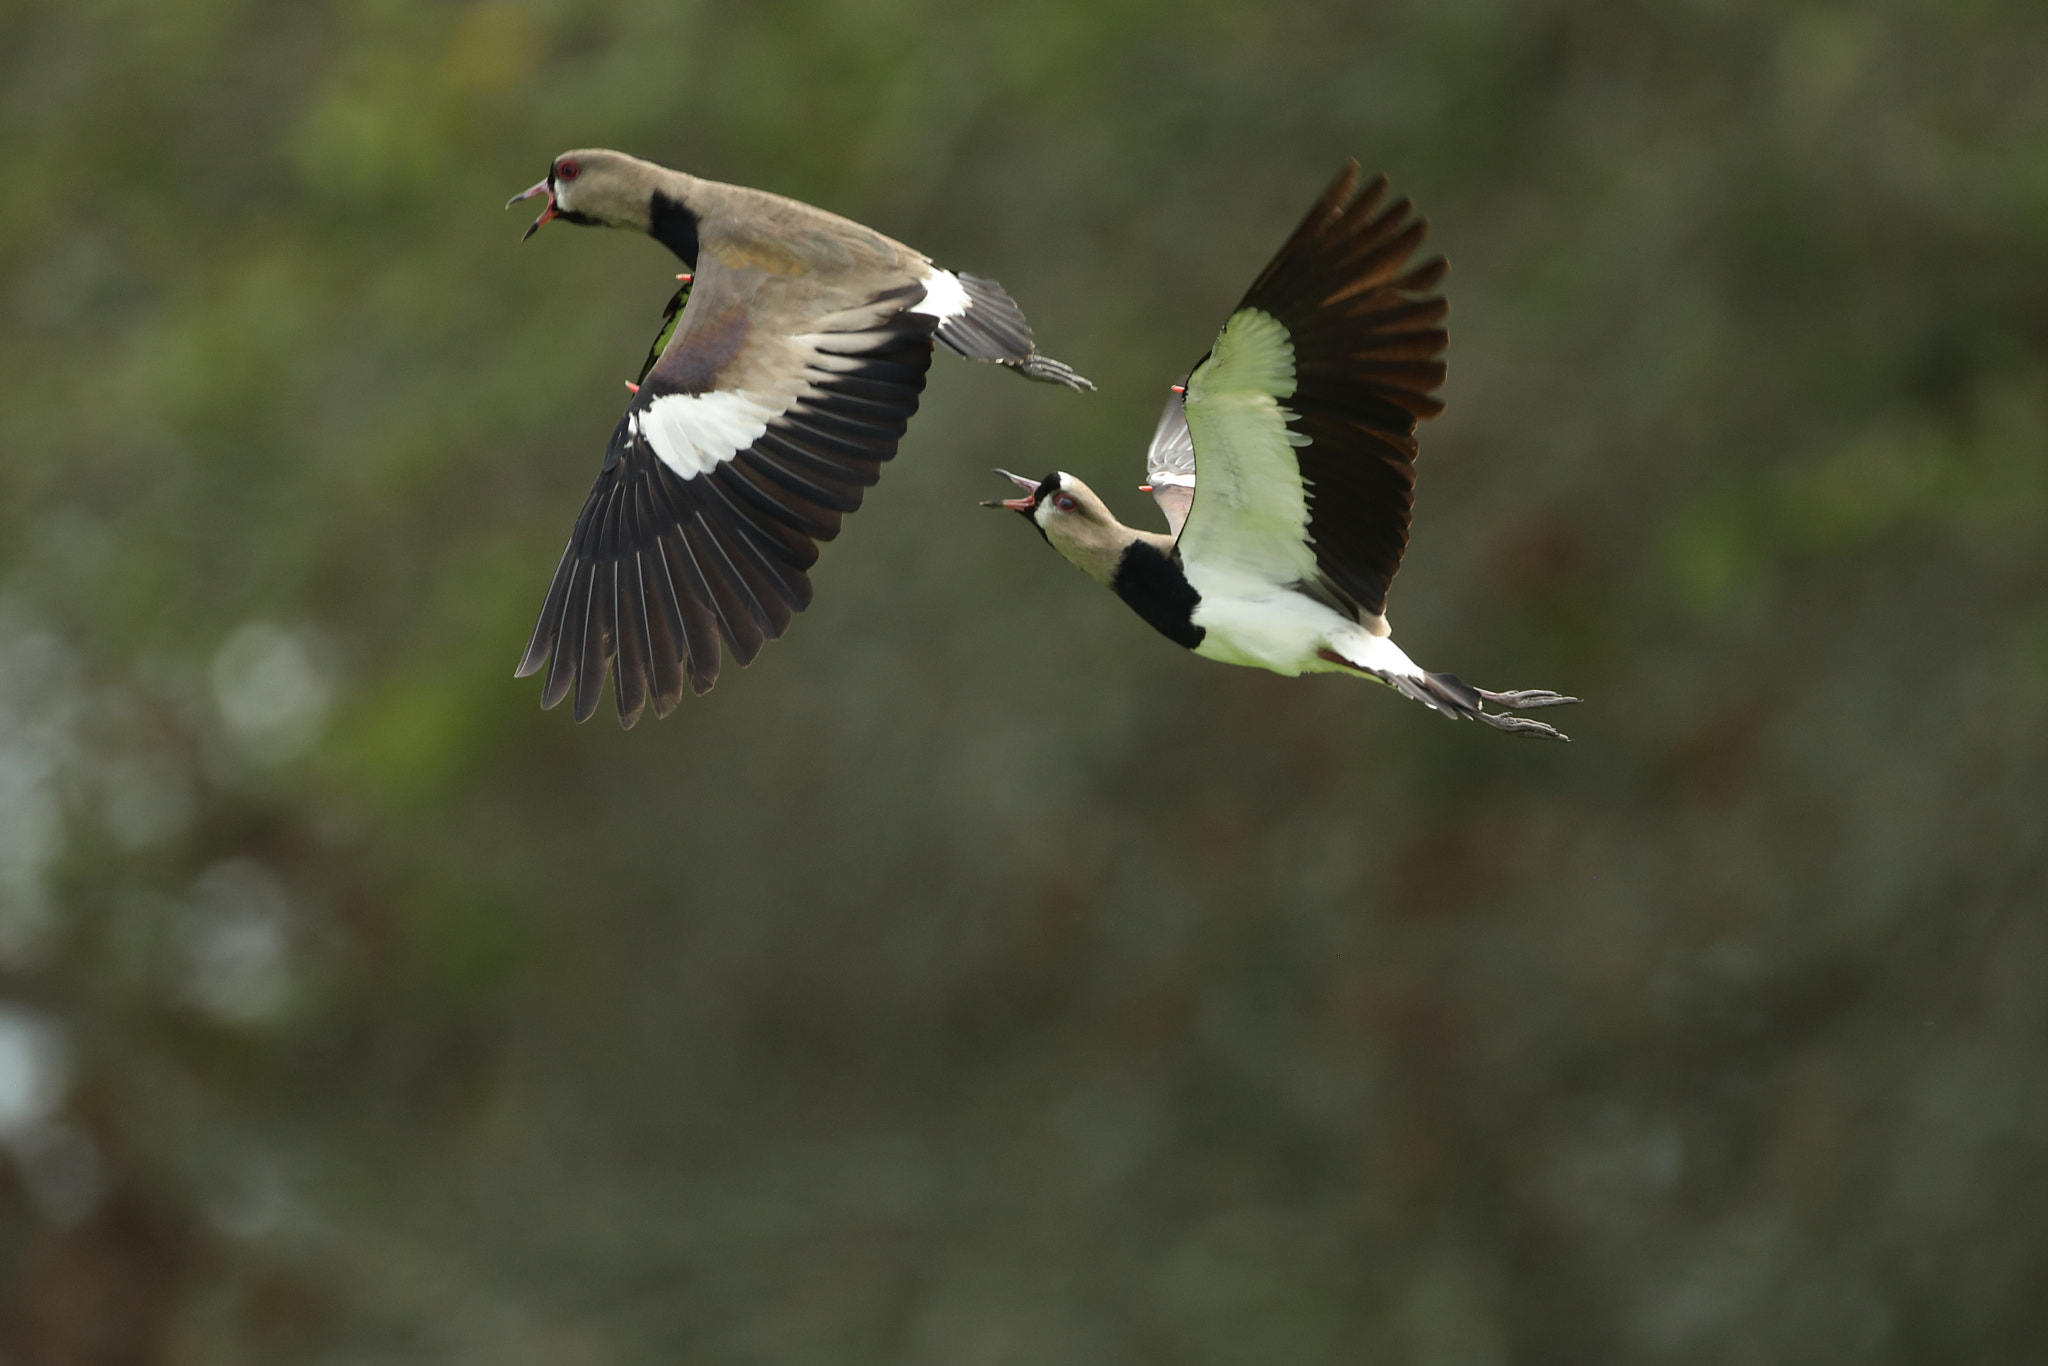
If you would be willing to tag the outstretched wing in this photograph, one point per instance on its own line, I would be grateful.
(1170, 464)
(1303, 416)
(743, 449)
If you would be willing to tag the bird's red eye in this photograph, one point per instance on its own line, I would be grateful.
(567, 170)
(1063, 501)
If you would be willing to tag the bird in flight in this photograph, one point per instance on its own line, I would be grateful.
(1286, 467)
(793, 360)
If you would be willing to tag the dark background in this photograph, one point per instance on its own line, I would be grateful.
(978, 979)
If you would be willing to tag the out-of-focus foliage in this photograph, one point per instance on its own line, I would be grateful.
(977, 978)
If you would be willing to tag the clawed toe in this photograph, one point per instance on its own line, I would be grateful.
(1523, 725)
(1046, 370)
(1526, 699)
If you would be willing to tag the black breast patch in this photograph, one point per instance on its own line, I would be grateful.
(675, 227)
(1157, 591)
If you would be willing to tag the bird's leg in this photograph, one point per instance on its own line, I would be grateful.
(1527, 699)
(1448, 696)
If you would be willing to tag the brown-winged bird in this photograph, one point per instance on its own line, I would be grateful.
(794, 366)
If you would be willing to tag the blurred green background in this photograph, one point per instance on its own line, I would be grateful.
(978, 979)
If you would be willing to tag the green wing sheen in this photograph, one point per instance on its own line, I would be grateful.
(668, 329)
(1251, 507)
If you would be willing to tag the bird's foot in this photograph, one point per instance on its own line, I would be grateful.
(1527, 699)
(1522, 725)
(1046, 370)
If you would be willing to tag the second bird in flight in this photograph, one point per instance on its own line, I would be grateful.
(1286, 467)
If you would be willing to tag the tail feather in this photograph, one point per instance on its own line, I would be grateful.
(1463, 698)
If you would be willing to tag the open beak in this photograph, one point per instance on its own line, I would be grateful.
(544, 188)
(1024, 504)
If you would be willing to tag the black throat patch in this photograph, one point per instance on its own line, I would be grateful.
(1157, 591)
(675, 227)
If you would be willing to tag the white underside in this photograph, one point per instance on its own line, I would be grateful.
(1261, 625)
(1246, 541)
(693, 433)
(945, 297)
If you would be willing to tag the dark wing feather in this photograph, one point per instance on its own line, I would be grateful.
(1368, 356)
(662, 565)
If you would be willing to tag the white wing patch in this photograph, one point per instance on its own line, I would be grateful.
(1250, 513)
(693, 433)
(945, 298)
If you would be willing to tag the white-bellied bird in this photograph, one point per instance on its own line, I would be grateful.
(1286, 467)
(796, 358)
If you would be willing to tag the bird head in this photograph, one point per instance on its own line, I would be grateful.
(1072, 519)
(595, 188)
